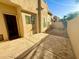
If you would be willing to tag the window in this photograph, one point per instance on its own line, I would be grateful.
(33, 18)
(44, 23)
(28, 19)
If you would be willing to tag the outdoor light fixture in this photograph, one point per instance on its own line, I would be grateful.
(38, 8)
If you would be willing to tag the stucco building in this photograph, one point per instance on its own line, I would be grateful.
(22, 18)
(73, 32)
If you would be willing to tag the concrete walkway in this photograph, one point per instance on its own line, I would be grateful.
(11, 49)
(14, 48)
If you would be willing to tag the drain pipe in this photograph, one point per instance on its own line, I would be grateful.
(39, 16)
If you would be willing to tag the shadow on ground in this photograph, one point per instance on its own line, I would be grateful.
(50, 47)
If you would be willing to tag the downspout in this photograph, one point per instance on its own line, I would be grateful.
(39, 16)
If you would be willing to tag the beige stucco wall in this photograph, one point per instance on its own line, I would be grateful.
(32, 5)
(28, 5)
(73, 31)
(49, 19)
(14, 7)
(20, 22)
(5, 10)
(2, 27)
(44, 15)
(27, 27)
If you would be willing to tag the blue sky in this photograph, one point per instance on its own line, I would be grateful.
(62, 7)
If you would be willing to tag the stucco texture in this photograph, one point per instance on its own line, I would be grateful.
(73, 31)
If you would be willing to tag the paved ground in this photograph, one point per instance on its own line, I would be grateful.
(50, 47)
(11, 49)
(14, 48)
(57, 32)
(55, 45)
(57, 28)
(39, 46)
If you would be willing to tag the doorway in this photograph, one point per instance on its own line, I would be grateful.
(11, 25)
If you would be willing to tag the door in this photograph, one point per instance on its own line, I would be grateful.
(11, 26)
(33, 21)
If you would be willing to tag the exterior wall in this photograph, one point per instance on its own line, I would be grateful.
(3, 30)
(73, 31)
(15, 7)
(28, 5)
(27, 27)
(49, 19)
(7, 9)
(20, 22)
(20, 5)
(33, 8)
(44, 15)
